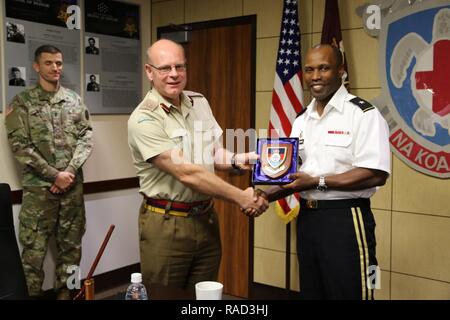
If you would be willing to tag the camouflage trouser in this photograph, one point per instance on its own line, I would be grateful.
(42, 215)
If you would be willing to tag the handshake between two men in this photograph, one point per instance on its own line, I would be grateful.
(201, 180)
(257, 205)
(252, 202)
(299, 181)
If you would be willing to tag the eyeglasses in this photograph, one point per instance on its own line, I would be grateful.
(166, 69)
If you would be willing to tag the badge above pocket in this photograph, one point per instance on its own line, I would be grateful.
(340, 139)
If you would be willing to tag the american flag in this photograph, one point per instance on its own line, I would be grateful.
(287, 95)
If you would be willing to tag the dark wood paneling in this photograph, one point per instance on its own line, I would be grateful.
(110, 185)
(93, 187)
(16, 197)
(264, 292)
(115, 278)
(221, 70)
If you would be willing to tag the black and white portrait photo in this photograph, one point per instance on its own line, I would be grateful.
(15, 32)
(92, 45)
(17, 77)
(93, 82)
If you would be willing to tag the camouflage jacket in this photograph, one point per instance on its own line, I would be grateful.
(48, 132)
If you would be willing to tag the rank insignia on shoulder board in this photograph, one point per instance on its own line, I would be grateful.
(362, 104)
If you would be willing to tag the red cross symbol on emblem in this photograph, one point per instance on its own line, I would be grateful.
(436, 80)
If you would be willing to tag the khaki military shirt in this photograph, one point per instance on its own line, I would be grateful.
(156, 126)
(48, 132)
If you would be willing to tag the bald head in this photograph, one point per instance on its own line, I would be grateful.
(323, 72)
(335, 52)
(166, 69)
(163, 47)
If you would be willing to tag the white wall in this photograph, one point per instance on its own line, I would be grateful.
(119, 208)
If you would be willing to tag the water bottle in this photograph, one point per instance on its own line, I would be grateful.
(136, 290)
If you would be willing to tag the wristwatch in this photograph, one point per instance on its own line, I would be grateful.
(233, 163)
(322, 185)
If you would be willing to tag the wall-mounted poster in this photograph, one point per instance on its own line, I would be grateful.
(30, 24)
(113, 54)
(414, 53)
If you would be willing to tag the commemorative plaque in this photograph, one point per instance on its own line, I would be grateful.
(277, 160)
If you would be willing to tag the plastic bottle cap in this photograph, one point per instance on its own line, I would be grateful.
(136, 278)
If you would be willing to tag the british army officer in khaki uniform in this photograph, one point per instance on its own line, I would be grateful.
(175, 144)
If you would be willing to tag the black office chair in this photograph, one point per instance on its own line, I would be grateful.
(12, 279)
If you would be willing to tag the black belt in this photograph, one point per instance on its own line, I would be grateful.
(335, 204)
(176, 205)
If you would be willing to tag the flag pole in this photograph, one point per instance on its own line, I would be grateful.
(288, 259)
(287, 102)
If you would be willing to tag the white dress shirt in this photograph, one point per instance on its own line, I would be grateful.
(343, 138)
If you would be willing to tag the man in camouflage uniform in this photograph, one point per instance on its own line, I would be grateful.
(51, 136)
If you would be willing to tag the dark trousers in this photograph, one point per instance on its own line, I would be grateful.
(336, 250)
